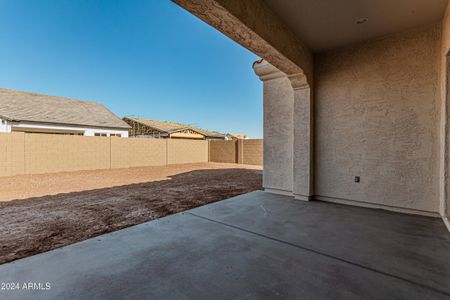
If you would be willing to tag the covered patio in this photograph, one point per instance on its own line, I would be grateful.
(356, 111)
(257, 245)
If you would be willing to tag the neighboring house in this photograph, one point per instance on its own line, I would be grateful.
(36, 113)
(236, 136)
(162, 129)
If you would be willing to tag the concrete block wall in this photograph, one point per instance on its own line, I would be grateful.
(22, 153)
(248, 152)
(186, 151)
(126, 153)
(48, 153)
(252, 151)
(12, 156)
(223, 151)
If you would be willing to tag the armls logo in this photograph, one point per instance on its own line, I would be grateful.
(41, 286)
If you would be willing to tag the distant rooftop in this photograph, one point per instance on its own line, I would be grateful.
(31, 107)
(171, 127)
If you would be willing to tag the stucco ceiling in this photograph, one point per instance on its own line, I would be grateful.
(328, 24)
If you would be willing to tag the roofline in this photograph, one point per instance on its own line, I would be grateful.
(198, 130)
(217, 135)
(124, 127)
(184, 128)
(70, 124)
(156, 128)
(5, 118)
(137, 120)
(53, 96)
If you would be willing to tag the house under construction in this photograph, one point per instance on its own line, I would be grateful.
(162, 129)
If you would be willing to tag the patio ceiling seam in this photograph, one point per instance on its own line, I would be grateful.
(322, 254)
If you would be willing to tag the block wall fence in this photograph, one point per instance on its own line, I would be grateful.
(22, 153)
(249, 152)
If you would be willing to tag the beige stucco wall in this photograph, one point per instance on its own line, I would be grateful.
(278, 134)
(444, 60)
(12, 159)
(134, 152)
(223, 151)
(186, 151)
(377, 117)
(252, 152)
(446, 32)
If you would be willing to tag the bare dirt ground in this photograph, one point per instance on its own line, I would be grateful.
(71, 207)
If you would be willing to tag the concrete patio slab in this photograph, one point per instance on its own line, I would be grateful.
(207, 253)
(412, 247)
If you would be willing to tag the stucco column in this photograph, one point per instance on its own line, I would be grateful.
(445, 142)
(278, 104)
(303, 179)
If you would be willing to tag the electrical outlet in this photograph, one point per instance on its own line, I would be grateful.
(357, 179)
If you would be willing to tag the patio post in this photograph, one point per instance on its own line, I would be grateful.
(278, 98)
(303, 180)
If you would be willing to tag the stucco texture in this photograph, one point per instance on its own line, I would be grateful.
(444, 60)
(377, 117)
(446, 32)
(255, 26)
(278, 134)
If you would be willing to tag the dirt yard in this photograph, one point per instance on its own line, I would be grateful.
(70, 207)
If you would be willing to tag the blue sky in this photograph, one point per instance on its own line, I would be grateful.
(141, 58)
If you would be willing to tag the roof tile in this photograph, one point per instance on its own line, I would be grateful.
(31, 107)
